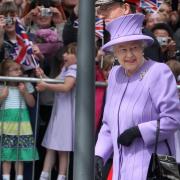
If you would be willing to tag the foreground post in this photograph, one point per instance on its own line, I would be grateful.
(85, 94)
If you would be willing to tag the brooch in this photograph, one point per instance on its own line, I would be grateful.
(142, 74)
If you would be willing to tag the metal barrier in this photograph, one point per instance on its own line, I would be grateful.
(36, 80)
(48, 80)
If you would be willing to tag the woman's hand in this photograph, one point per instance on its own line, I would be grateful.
(57, 17)
(31, 15)
(98, 167)
(128, 136)
(171, 45)
(36, 11)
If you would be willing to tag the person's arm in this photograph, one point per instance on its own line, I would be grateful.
(104, 138)
(4, 93)
(68, 84)
(57, 16)
(163, 92)
(28, 18)
(40, 73)
(29, 98)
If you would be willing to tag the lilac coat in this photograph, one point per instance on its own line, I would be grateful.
(138, 100)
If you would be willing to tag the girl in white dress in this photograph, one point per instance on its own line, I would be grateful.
(59, 136)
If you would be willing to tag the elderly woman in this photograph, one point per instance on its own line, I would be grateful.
(140, 92)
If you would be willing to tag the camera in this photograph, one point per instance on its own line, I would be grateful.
(178, 55)
(163, 41)
(8, 20)
(46, 12)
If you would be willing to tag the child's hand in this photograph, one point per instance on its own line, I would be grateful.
(39, 72)
(99, 55)
(4, 92)
(42, 86)
(37, 52)
(36, 49)
(22, 88)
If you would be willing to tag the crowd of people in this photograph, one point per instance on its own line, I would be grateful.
(138, 54)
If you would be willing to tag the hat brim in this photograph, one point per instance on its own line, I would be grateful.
(109, 46)
(103, 3)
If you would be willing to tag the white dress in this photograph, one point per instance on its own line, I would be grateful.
(60, 132)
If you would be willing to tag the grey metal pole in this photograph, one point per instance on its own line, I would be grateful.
(85, 94)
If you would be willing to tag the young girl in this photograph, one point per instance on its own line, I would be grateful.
(17, 143)
(60, 132)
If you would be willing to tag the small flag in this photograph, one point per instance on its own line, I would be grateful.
(99, 27)
(149, 5)
(25, 55)
(159, 2)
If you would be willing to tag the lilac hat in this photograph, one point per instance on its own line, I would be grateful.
(103, 2)
(125, 29)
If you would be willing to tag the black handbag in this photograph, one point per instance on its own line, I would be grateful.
(162, 167)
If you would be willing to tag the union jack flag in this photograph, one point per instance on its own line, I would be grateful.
(159, 2)
(149, 5)
(25, 55)
(99, 27)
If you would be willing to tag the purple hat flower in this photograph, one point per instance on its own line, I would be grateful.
(125, 29)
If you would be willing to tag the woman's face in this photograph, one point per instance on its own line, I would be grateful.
(9, 23)
(130, 56)
(69, 59)
(165, 11)
(43, 21)
(162, 33)
(154, 19)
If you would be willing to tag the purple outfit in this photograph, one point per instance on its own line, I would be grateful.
(60, 132)
(138, 100)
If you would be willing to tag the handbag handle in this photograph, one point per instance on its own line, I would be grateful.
(157, 139)
(157, 136)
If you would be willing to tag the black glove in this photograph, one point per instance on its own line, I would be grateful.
(128, 136)
(98, 167)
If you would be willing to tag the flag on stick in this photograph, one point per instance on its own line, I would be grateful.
(99, 27)
(25, 56)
